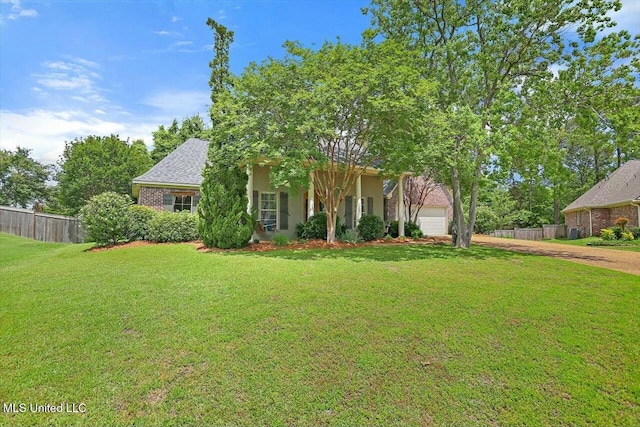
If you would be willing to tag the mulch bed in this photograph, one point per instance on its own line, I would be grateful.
(264, 246)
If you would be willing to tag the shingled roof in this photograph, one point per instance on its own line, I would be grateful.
(621, 187)
(183, 166)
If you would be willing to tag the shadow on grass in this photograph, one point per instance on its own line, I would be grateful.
(385, 253)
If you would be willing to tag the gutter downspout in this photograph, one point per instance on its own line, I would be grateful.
(590, 224)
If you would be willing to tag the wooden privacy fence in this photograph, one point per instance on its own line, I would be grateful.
(520, 233)
(554, 231)
(40, 226)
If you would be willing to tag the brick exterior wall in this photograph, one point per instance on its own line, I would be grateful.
(152, 196)
(602, 218)
(629, 211)
(571, 219)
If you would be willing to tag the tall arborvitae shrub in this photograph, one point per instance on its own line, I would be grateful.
(223, 221)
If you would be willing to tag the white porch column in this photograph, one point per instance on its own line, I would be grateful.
(311, 197)
(358, 200)
(249, 189)
(400, 207)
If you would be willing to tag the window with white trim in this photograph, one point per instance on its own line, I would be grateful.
(269, 211)
(182, 203)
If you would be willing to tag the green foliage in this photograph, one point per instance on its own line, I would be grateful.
(416, 234)
(22, 179)
(90, 166)
(607, 234)
(106, 218)
(352, 236)
(141, 216)
(316, 227)
(617, 231)
(388, 237)
(173, 227)
(223, 219)
(165, 140)
(627, 236)
(371, 227)
(409, 228)
(486, 220)
(635, 231)
(280, 240)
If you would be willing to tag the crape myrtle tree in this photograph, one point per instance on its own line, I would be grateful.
(325, 114)
(480, 51)
(223, 220)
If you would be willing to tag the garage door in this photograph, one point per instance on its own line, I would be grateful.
(433, 221)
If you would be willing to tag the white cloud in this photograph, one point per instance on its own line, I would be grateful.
(174, 19)
(76, 76)
(179, 103)
(182, 43)
(17, 11)
(99, 111)
(222, 14)
(45, 131)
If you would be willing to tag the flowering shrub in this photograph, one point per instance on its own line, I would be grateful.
(621, 222)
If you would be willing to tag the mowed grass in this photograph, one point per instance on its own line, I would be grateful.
(391, 335)
(633, 245)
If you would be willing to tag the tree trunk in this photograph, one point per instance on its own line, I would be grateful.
(458, 215)
(466, 243)
(332, 214)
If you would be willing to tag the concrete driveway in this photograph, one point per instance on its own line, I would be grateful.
(625, 261)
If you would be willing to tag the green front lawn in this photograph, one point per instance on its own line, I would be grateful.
(395, 335)
(633, 245)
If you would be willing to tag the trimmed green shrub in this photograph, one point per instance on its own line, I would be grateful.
(607, 234)
(223, 219)
(635, 231)
(371, 227)
(140, 217)
(408, 228)
(316, 227)
(173, 227)
(106, 218)
(416, 234)
(280, 240)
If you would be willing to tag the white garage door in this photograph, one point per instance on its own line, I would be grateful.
(433, 221)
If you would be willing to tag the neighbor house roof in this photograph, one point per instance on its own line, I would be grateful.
(183, 166)
(621, 187)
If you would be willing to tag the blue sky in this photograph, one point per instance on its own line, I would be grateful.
(73, 68)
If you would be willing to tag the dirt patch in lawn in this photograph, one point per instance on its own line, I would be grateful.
(625, 261)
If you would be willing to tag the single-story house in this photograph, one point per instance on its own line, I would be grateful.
(618, 195)
(173, 184)
(430, 203)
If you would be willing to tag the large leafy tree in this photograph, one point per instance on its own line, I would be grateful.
(480, 51)
(325, 115)
(165, 140)
(95, 164)
(22, 179)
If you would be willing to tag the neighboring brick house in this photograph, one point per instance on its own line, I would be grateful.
(173, 184)
(435, 214)
(618, 195)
